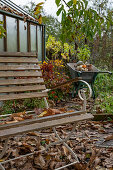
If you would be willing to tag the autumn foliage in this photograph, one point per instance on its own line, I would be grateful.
(54, 74)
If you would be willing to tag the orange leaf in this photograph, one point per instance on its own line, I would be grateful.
(20, 114)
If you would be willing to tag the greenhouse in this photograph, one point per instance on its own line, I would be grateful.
(23, 32)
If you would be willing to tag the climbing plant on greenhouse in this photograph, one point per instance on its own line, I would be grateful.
(2, 30)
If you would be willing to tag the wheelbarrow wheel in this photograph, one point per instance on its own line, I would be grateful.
(87, 90)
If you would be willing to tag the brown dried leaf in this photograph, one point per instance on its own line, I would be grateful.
(60, 164)
(63, 109)
(33, 134)
(80, 166)
(66, 151)
(18, 118)
(53, 111)
(93, 156)
(24, 149)
(15, 121)
(20, 114)
(28, 166)
(27, 117)
(110, 137)
(97, 161)
(52, 164)
(39, 160)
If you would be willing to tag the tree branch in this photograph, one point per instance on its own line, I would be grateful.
(66, 3)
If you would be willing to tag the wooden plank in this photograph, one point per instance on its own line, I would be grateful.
(19, 67)
(18, 36)
(42, 119)
(21, 81)
(22, 88)
(18, 54)
(28, 37)
(103, 117)
(23, 96)
(18, 60)
(20, 74)
(46, 124)
(5, 37)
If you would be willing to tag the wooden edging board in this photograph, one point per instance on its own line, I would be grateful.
(102, 117)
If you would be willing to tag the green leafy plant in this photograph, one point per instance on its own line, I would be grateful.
(55, 49)
(79, 20)
(104, 92)
(83, 53)
(2, 30)
(14, 106)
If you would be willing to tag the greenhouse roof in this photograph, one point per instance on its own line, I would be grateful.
(9, 6)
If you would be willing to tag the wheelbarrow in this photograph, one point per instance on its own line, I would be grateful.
(87, 76)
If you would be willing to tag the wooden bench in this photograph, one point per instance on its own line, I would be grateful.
(21, 78)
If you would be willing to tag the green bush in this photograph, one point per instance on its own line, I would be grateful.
(104, 92)
(15, 106)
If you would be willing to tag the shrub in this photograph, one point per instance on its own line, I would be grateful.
(104, 92)
(53, 74)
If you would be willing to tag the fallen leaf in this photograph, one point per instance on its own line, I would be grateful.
(20, 114)
(27, 117)
(52, 165)
(66, 151)
(24, 149)
(42, 114)
(18, 118)
(80, 166)
(39, 160)
(15, 121)
(110, 137)
(28, 166)
(97, 161)
(33, 134)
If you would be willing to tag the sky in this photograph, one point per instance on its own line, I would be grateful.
(49, 6)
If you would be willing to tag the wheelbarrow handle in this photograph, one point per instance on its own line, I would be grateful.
(106, 72)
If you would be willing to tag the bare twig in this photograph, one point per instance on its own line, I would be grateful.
(66, 3)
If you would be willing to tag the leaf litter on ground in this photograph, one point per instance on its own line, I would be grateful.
(83, 141)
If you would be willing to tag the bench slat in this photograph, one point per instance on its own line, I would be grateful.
(22, 88)
(45, 124)
(21, 81)
(41, 119)
(18, 60)
(19, 54)
(20, 74)
(19, 67)
(23, 96)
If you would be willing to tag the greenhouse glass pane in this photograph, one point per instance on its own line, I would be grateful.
(23, 36)
(33, 37)
(1, 39)
(11, 24)
(39, 43)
